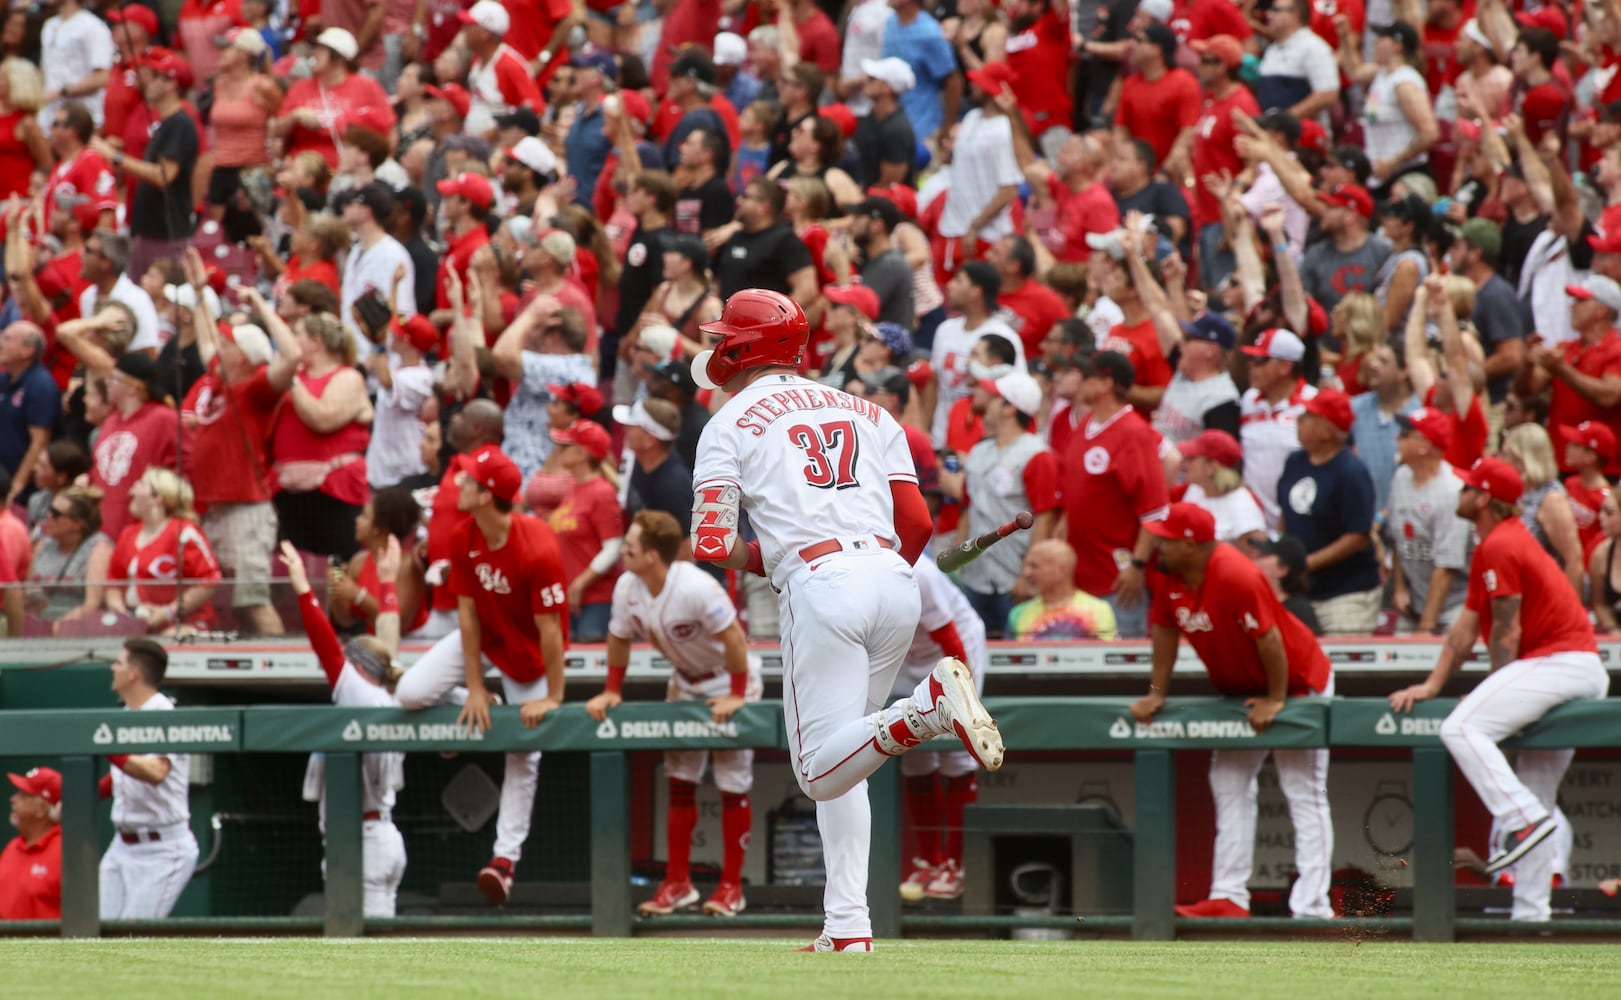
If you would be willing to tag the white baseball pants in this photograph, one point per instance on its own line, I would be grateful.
(734, 769)
(142, 881)
(382, 866)
(1512, 698)
(847, 622)
(433, 680)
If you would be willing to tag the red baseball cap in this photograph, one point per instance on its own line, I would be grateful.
(1495, 478)
(1333, 406)
(992, 77)
(494, 471)
(636, 106)
(1353, 196)
(840, 115)
(1185, 522)
(903, 197)
(1605, 242)
(1218, 446)
(581, 395)
(587, 434)
(859, 297)
(1313, 136)
(1592, 435)
(1277, 343)
(370, 116)
(44, 782)
(418, 331)
(1433, 425)
(88, 215)
(1545, 17)
(474, 187)
(135, 14)
(1224, 47)
(453, 93)
(166, 63)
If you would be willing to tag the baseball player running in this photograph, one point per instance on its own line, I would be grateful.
(688, 617)
(1254, 649)
(1543, 654)
(362, 674)
(939, 785)
(153, 852)
(829, 486)
(513, 615)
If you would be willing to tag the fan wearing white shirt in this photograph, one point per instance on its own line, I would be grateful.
(374, 259)
(104, 261)
(76, 55)
(1215, 484)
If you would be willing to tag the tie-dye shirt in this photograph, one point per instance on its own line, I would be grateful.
(1081, 617)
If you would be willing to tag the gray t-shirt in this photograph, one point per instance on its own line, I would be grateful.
(1185, 411)
(1330, 275)
(1428, 533)
(890, 276)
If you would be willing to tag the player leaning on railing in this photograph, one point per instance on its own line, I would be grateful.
(362, 674)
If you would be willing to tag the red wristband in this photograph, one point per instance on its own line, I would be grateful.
(118, 760)
(755, 563)
(388, 599)
(616, 679)
(740, 683)
(104, 787)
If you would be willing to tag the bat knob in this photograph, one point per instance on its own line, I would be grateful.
(1024, 520)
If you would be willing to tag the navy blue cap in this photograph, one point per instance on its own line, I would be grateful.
(1212, 327)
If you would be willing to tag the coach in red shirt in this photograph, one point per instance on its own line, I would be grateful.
(1542, 653)
(1254, 649)
(31, 865)
(1112, 484)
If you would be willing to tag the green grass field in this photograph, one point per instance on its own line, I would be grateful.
(668, 969)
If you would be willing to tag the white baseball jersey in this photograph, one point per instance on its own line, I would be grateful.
(942, 604)
(139, 806)
(382, 774)
(684, 621)
(807, 459)
(1268, 435)
(949, 357)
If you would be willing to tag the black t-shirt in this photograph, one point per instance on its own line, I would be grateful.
(707, 119)
(426, 264)
(693, 420)
(151, 214)
(1162, 201)
(1517, 239)
(779, 138)
(887, 141)
(760, 260)
(667, 488)
(708, 206)
(644, 269)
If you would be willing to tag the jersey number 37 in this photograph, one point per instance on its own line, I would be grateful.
(831, 450)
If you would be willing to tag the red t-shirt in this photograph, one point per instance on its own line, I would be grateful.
(335, 105)
(819, 42)
(372, 584)
(1089, 210)
(458, 255)
(517, 86)
(509, 587)
(533, 22)
(1441, 56)
(1034, 308)
(123, 95)
(1158, 110)
(179, 552)
(1213, 149)
(324, 271)
(446, 521)
(1584, 506)
(31, 878)
(588, 517)
(1040, 56)
(1567, 407)
(1140, 345)
(688, 22)
(85, 176)
(125, 449)
(1469, 433)
(226, 456)
(1112, 483)
(1508, 562)
(1196, 20)
(1232, 608)
(1323, 13)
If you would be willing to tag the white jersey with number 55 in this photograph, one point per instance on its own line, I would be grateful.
(811, 463)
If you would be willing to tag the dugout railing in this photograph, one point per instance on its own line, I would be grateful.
(77, 739)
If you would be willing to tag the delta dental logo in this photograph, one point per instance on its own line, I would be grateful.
(410, 732)
(106, 735)
(1193, 729)
(665, 729)
(1389, 725)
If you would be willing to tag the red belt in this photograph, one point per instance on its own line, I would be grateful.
(133, 837)
(700, 678)
(373, 814)
(832, 545)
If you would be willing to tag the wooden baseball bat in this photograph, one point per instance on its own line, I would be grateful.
(955, 559)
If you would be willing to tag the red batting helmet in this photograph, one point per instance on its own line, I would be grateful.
(759, 328)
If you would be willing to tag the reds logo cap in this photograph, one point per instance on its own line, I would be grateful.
(1278, 344)
(1495, 478)
(1432, 424)
(497, 473)
(1592, 435)
(44, 782)
(1333, 406)
(1185, 522)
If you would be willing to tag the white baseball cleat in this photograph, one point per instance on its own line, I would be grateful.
(951, 686)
